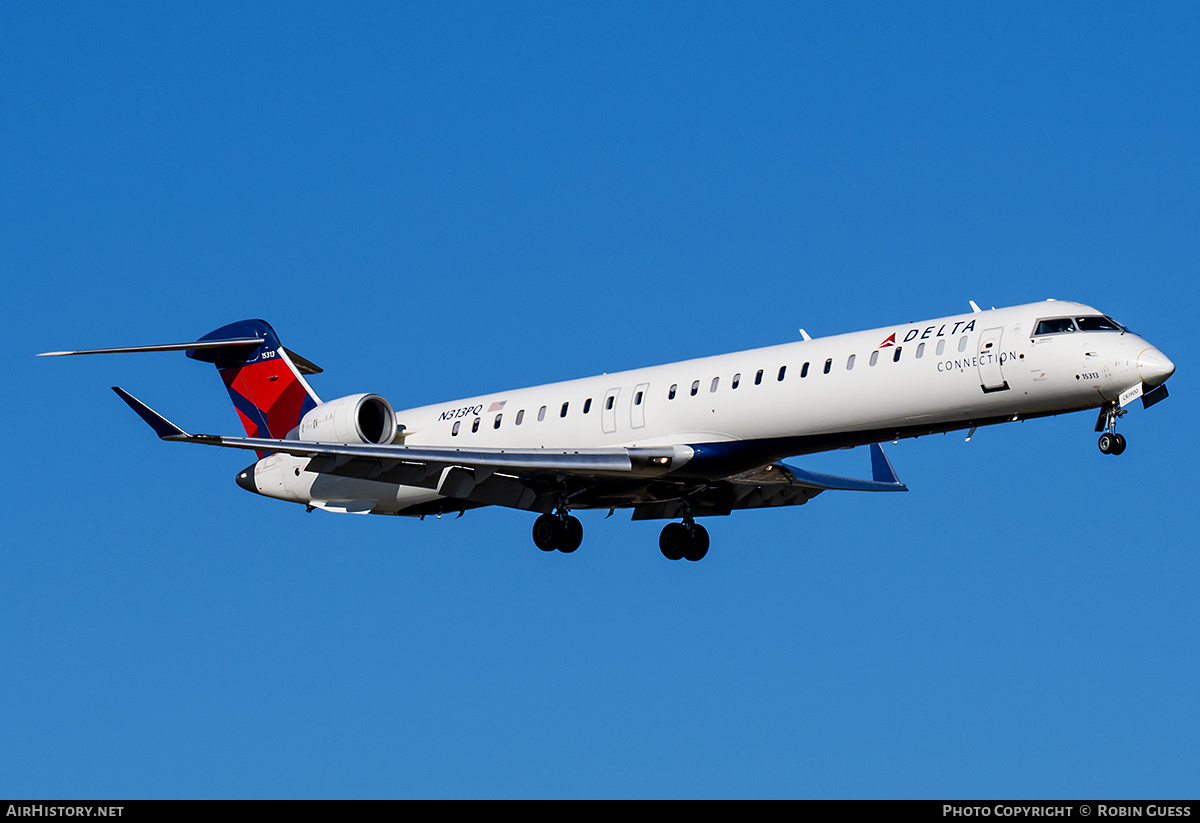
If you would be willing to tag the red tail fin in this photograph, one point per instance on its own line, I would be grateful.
(266, 382)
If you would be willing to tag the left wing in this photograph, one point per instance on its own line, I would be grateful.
(387, 463)
(538, 479)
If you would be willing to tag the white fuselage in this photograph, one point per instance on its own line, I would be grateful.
(903, 380)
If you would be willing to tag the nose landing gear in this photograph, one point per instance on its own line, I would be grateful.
(1110, 442)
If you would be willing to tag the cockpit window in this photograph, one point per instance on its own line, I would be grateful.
(1056, 325)
(1098, 323)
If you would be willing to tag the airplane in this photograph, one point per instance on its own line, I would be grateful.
(697, 438)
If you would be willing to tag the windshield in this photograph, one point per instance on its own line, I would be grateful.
(1098, 323)
(1055, 325)
(1065, 325)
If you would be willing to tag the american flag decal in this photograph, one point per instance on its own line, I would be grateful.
(497, 406)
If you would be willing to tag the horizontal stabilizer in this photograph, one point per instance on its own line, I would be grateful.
(247, 344)
(235, 342)
(302, 364)
(883, 477)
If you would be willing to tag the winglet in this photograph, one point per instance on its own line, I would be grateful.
(881, 467)
(883, 477)
(163, 427)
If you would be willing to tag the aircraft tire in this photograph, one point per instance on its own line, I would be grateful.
(697, 546)
(1118, 444)
(547, 531)
(1106, 443)
(673, 541)
(572, 534)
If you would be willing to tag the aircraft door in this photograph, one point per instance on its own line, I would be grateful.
(991, 373)
(637, 411)
(608, 412)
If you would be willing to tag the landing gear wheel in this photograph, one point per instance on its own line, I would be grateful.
(555, 531)
(698, 545)
(546, 530)
(1119, 444)
(1111, 443)
(673, 541)
(683, 540)
(571, 534)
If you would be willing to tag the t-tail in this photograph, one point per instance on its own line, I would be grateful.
(265, 380)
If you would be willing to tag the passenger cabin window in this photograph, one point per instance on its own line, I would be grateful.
(828, 365)
(1055, 325)
(608, 404)
(896, 356)
(758, 377)
(475, 426)
(671, 393)
(804, 371)
(713, 386)
(920, 350)
(587, 405)
(874, 357)
(563, 413)
(496, 425)
(454, 429)
(941, 347)
(737, 378)
(695, 387)
(637, 399)
(541, 414)
(962, 343)
(849, 362)
(520, 416)
(782, 372)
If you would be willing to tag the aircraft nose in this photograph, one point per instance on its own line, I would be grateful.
(1154, 367)
(245, 478)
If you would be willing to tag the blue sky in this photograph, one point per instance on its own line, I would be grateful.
(439, 200)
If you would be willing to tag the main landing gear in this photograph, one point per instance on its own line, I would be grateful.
(560, 531)
(677, 541)
(686, 540)
(1110, 442)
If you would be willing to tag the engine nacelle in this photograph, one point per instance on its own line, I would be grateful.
(358, 418)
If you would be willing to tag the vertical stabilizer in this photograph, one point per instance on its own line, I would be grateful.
(266, 386)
